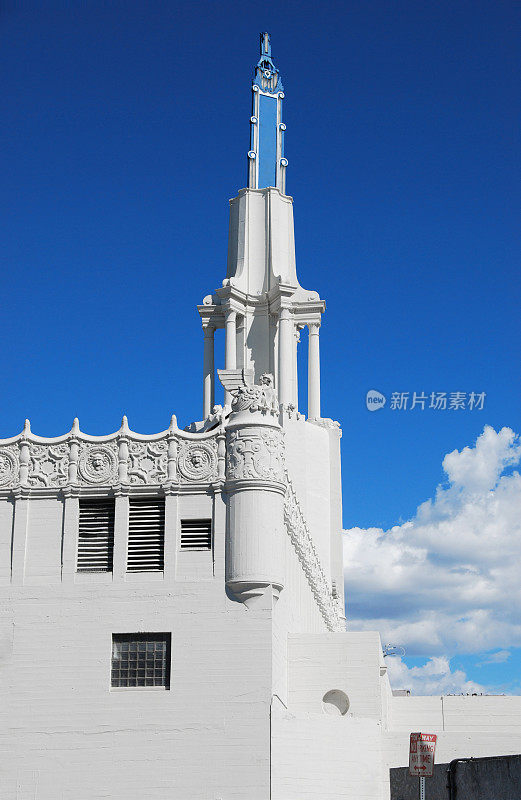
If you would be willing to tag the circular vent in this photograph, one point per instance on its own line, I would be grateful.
(335, 702)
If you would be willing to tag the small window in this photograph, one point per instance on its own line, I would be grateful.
(196, 534)
(140, 660)
(96, 535)
(146, 534)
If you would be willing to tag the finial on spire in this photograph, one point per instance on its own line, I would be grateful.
(266, 162)
(265, 45)
(267, 76)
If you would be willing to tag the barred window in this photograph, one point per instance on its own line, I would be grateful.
(196, 534)
(140, 659)
(96, 535)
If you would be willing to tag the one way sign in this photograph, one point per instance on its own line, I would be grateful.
(421, 754)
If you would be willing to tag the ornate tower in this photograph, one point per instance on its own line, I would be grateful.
(261, 304)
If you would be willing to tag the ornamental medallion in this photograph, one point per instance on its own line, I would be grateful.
(198, 462)
(97, 465)
(8, 467)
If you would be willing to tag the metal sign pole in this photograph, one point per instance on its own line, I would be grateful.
(422, 788)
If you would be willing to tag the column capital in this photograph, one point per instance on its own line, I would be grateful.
(208, 331)
(230, 314)
(121, 490)
(314, 326)
(70, 491)
(21, 492)
(285, 313)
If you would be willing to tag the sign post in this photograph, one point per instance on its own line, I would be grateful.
(421, 757)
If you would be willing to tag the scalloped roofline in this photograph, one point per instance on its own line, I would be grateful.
(26, 434)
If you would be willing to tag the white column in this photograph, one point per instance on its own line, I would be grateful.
(19, 545)
(119, 567)
(295, 366)
(71, 519)
(313, 371)
(285, 356)
(219, 532)
(171, 533)
(208, 371)
(230, 352)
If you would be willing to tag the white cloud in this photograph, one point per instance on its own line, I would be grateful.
(478, 469)
(449, 580)
(496, 658)
(434, 677)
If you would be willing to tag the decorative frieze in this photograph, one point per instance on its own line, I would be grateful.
(254, 453)
(123, 458)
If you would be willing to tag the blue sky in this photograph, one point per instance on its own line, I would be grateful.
(125, 132)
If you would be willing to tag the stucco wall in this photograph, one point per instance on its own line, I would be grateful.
(465, 725)
(68, 735)
(66, 732)
(308, 460)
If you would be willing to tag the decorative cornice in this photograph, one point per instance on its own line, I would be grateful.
(55, 492)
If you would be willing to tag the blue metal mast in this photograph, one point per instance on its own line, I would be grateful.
(266, 162)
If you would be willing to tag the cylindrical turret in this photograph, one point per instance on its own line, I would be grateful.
(255, 491)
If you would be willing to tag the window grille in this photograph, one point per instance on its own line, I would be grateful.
(96, 535)
(140, 659)
(196, 534)
(146, 534)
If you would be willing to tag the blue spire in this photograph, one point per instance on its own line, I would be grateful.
(267, 76)
(267, 165)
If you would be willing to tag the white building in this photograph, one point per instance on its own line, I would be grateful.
(172, 623)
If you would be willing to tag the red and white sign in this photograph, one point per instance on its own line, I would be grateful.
(421, 754)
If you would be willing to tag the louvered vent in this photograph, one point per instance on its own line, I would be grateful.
(196, 534)
(96, 535)
(146, 534)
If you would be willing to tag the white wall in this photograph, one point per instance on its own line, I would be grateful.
(308, 462)
(322, 757)
(465, 725)
(245, 708)
(68, 735)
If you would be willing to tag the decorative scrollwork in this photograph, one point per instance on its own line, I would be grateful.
(255, 453)
(48, 464)
(120, 459)
(97, 464)
(147, 462)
